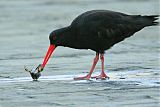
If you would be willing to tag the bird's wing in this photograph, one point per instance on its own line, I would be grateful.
(106, 24)
(106, 30)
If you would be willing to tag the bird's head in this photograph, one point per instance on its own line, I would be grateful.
(58, 37)
(53, 37)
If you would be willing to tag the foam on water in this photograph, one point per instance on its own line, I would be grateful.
(43, 78)
(129, 77)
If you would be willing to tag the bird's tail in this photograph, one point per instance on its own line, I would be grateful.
(152, 20)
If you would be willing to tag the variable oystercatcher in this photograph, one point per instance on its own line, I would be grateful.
(97, 30)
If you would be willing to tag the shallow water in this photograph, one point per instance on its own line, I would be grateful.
(133, 65)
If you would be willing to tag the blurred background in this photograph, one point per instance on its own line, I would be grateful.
(24, 29)
(26, 25)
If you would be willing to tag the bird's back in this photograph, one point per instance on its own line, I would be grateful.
(108, 16)
(101, 29)
(95, 15)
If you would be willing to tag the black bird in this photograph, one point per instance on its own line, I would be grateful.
(97, 30)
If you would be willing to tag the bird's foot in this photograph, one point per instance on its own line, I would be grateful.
(87, 77)
(102, 76)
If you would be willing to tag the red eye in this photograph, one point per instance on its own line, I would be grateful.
(54, 37)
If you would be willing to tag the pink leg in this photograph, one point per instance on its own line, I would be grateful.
(88, 76)
(102, 75)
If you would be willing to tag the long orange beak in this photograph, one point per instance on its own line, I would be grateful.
(48, 55)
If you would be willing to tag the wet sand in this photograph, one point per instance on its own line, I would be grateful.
(133, 65)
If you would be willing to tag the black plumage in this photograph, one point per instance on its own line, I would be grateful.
(99, 30)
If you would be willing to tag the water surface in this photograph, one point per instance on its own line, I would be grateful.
(133, 65)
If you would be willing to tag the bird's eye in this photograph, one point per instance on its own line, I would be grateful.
(54, 37)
